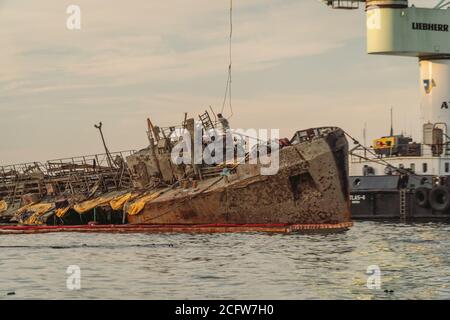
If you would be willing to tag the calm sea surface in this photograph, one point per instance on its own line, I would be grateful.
(414, 261)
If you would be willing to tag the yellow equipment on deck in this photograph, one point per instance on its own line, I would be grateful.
(398, 145)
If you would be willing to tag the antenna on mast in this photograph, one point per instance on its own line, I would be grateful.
(392, 122)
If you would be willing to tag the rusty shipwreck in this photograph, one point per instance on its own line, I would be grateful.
(146, 191)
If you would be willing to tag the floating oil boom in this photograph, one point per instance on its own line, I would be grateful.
(405, 177)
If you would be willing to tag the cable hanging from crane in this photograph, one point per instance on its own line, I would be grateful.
(228, 85)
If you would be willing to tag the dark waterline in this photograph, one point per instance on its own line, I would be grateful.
(414, 261)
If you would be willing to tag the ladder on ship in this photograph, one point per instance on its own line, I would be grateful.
(206, 121)
(16, 196)
(403, 205)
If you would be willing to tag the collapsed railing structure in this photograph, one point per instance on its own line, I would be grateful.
(82, 176)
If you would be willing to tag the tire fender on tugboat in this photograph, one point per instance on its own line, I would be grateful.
(422, 197)
(440, 198)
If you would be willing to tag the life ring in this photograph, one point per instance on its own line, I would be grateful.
(440, 198)
(421, 196)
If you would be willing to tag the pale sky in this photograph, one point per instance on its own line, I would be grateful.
(296, 64)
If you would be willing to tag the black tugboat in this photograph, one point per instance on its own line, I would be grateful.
(400, 179)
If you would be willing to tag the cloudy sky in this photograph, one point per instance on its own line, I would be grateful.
(297, 64)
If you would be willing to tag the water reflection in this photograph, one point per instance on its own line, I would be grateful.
(413, 259)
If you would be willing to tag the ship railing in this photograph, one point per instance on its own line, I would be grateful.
(310, 134)
(86, 163)
(80, 174)
(20, 170)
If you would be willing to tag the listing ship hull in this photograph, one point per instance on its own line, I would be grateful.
(310, 188)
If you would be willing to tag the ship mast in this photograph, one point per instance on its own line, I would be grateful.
(392, 122)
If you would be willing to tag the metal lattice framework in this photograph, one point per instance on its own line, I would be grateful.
(343, 4)
(74, 175)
